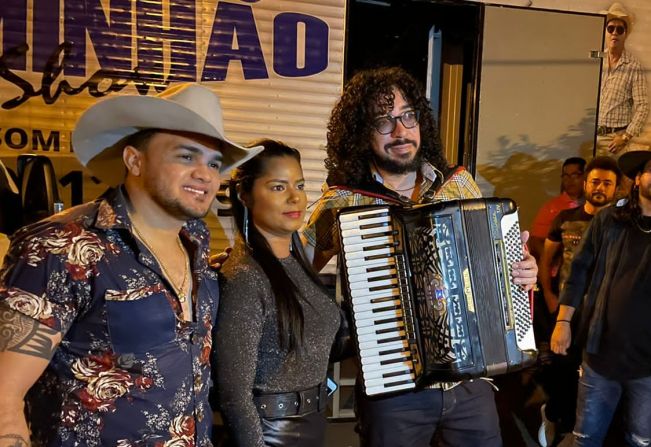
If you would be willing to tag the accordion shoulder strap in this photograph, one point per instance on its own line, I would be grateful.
(431, 193)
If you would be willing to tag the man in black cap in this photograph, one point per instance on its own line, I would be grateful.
(559, 375)
(610, 281)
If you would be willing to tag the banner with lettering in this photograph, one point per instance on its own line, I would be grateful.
(277, 65)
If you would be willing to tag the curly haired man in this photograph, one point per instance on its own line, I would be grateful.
(383, 141)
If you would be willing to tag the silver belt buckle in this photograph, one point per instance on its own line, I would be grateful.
(445, 386)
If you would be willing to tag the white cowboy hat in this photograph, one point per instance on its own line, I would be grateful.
(617, 11)
(98, 136)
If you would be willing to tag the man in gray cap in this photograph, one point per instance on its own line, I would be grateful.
(107, 309)
(610, 282)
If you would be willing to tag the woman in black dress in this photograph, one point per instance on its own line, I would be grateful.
(276, 324)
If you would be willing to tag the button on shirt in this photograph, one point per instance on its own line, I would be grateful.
(129, 370)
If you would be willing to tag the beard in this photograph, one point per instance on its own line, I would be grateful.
(172, 205)
(179, 211)
(398, 166)
(645, 192)
(598, 200)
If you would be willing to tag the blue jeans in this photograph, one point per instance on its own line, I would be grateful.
(465, 416)
(596, 405)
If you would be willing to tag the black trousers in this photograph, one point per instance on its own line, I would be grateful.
(295, 431)
(557, 374)
(464, 416)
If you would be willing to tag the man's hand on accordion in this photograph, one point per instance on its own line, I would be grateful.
(525, 272)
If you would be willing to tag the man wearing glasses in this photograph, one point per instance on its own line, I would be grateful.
(624, 105)
(383, 144)
(572, 178)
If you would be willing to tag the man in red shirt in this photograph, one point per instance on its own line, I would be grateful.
(572, 178)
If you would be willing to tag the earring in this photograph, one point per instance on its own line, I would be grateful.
(246, 225)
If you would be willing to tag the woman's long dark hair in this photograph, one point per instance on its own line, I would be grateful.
(286, 295)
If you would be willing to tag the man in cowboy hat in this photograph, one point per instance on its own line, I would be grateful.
(624, 105)
(106, 310)
(610, 282)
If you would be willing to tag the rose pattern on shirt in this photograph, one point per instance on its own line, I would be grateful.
(130, 371)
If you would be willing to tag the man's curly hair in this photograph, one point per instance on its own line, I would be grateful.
(350, 126)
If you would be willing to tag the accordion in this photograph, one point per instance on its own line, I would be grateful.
(431, 293)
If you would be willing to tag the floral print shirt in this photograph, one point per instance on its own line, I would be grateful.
(129, 370)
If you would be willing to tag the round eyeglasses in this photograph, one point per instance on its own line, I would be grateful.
(387, 124)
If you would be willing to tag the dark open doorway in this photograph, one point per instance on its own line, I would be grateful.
(437, 42)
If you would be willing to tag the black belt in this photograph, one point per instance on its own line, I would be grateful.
(605, 130)
(296, 403)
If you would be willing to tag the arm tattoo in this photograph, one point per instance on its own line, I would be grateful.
(24, 335)
(13, 441)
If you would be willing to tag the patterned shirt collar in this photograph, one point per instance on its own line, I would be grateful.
(430, 175)
(113, 213)
(625, 58)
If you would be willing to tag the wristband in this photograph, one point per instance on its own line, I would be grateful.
(563, 321)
